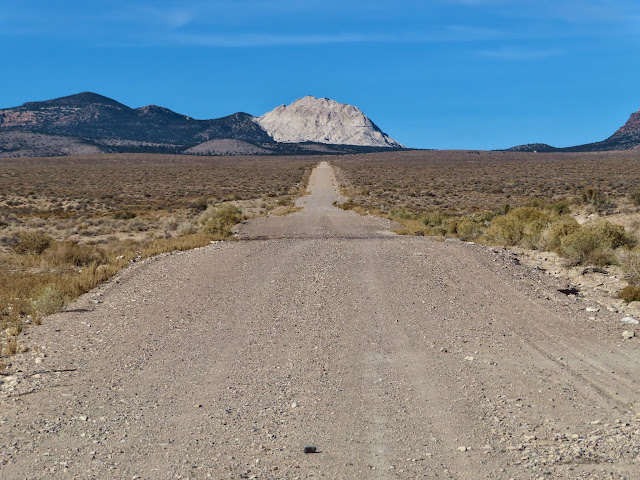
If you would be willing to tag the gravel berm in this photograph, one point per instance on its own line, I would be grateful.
(395, 357)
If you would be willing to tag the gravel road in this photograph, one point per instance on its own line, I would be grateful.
(396, 357)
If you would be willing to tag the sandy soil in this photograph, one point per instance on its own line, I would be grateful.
(396, 357)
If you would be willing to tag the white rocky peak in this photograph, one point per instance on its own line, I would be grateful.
(322, 120)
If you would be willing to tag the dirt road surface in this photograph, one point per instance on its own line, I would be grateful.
(396, 357)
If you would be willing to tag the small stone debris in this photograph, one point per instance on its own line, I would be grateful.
(630, 321)
(310, 449)
(463, 449)
(569, 291)
(628, 334)
(594, 270)
(592, 309)
(294, 405)
(468, 358)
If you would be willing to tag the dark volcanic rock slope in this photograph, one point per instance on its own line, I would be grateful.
(625, 138)
(92, 116)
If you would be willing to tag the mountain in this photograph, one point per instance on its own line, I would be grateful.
(533, 147)
(625, 138)
(89, 115)
(322, 120)
(91, 123)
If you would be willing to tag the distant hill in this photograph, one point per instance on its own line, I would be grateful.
(91, 123)
(625, 138)
(533, 147)
(322, 120)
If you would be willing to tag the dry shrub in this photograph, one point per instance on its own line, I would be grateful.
(595, 198)
(186, 228)
(469, 229)
(438, 223)
(49, 300)
(634, 196)
(630, 294)
(522, 225)
(594, 243)
(11, 347)
(74, 254)
(88, 278)
(32, 243)
(186, 242)
(218, 219)
(562, 207)
(124, 215)
(170, 223)
(552, 236)
(629, 260)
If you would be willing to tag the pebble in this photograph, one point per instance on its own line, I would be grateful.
(592, 309)
(630, 321)
(463, 449)
(628, 334)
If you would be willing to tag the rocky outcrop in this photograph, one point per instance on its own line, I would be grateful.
(322, 120)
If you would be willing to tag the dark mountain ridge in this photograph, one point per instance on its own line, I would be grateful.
(625, 138)
(94, 121)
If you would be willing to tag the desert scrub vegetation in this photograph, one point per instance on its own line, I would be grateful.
(471, 181)
(69, 223)
(527, 200)
(218, 219)
(630, 262)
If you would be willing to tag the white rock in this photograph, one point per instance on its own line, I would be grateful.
(592, 309)
(463, 449)
(322, 120)
(630, 321)
(628, 334)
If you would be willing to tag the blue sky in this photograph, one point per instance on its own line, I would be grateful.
(458, 74)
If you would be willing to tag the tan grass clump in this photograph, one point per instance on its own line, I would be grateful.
(219, 219)
(629, 260)
(48, 300)
(630, 293)
(68, 253)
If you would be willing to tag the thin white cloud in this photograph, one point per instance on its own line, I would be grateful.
(268, 40)
(520, 54)
(449, 34)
